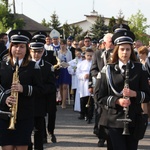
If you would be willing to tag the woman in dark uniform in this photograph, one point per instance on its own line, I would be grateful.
(29, 84)
(114, 96)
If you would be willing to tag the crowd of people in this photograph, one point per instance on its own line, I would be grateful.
(108, 81)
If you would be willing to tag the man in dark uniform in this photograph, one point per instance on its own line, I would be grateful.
(70, 47)
(48, 78)
(99, 60)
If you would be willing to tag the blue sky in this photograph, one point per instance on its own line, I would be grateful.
(74, 10)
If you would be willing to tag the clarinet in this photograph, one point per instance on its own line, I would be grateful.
(126, 119)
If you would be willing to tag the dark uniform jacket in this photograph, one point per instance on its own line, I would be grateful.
(48, 83)
(97, 65)
(50, 57)
(72, 49)
(98, 61)
(30, 79)
(107, 97)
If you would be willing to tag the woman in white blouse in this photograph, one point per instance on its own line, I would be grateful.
(64, 79)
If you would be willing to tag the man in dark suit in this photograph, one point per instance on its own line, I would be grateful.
(70, 47)
(48, 83)
(100, 59)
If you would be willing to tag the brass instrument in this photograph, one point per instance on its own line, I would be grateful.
(93, 85)
(88, 103)
(57, 66)
(14, 107)
(126, 119)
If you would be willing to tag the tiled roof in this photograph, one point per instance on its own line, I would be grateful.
(31, 25)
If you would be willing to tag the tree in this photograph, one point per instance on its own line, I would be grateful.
(112, 22)
(66, 30)
(75, 31)
(7, 19)
(54, 22)
(120, 18)
(18, 23)
(99, 28)
(138, 25)
(44, 23)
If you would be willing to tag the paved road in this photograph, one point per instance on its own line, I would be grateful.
(74, 134)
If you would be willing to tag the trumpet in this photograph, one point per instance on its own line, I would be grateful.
(14, 107)
(126, 119)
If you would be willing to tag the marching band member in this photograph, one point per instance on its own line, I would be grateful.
(42, 101)
(29, 84)
(114, 97)
(50, 100)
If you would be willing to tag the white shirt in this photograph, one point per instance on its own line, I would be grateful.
(72, 70)
(82, 69)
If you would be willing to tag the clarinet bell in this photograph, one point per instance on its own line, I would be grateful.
(126, 131)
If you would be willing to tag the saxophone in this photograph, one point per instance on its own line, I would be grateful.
(14, 107)
(57, 66)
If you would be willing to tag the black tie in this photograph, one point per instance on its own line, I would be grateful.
(124, 69)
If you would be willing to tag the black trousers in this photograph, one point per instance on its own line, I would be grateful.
(87, 111)
(97, 117)
(122, 142)
(74, 94)
(51, 118)
(38, 133)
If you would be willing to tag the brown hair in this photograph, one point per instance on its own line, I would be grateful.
(114, 58)
(26, 59)
(143, 50)
(89, 50)
(62, 41)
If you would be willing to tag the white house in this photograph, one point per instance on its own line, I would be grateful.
(90, 19)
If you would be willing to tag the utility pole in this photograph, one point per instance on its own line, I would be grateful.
(14, 7)
(93, 6)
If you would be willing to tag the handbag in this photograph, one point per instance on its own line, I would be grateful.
(140, 126)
